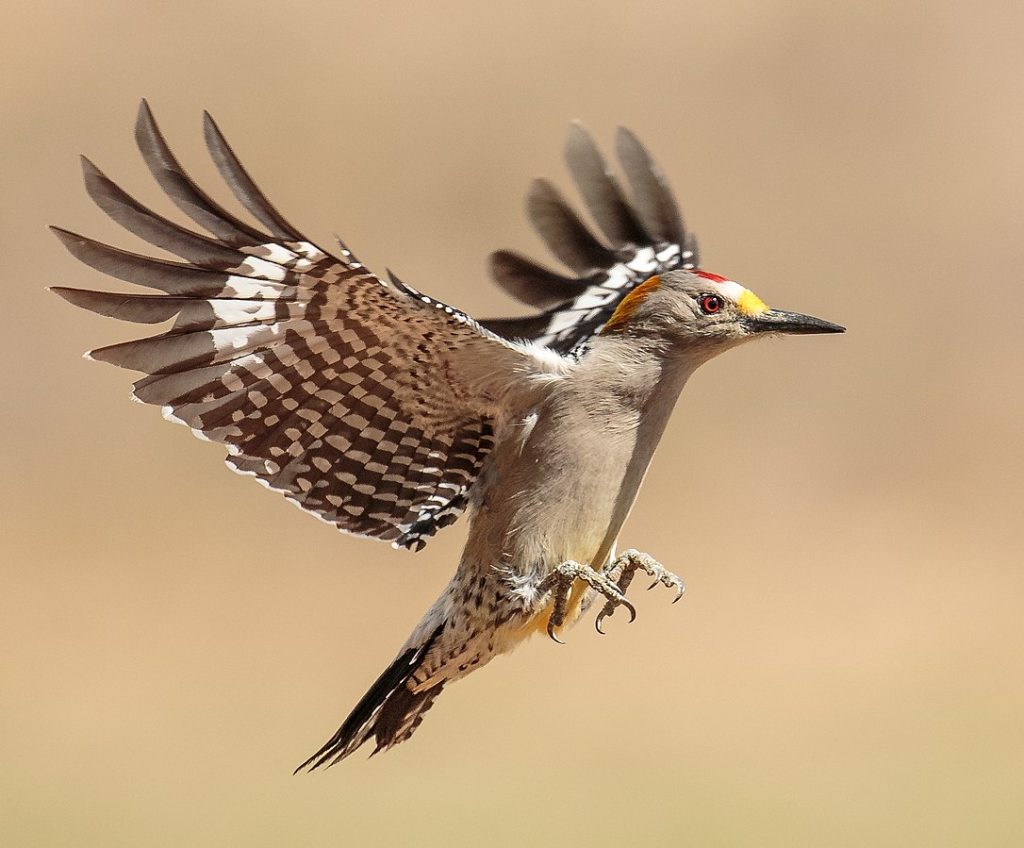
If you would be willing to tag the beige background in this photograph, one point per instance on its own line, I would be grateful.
(846, 668)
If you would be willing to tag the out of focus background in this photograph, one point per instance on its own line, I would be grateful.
(847, 667)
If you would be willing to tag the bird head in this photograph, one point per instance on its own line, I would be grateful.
(704, 312)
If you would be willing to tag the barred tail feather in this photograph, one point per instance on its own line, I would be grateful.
(390, 711)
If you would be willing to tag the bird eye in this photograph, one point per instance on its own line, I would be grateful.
(710, 304)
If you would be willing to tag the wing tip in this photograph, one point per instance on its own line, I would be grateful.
(501, 258)
(625, 134)
(66, 237)
(96, 182)
(102, 354)
(88, 166)
(147, 132)
(65, 293)
(578, 129)
(540, 188)
(144, 119)
(78, 298)
(578, 133)
(211, 131)
(75, 297)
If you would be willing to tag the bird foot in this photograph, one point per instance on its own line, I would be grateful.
(560, 582)
(624, 569)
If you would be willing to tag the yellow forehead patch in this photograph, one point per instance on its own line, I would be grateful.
(750, 304)
(631, 302)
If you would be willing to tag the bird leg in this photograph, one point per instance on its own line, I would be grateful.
(560, 582)
(625, 567)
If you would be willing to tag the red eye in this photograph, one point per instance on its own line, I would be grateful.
(711, 304)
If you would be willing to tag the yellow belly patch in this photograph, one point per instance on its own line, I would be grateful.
(538, 623)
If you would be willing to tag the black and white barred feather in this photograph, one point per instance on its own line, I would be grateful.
(645, 236)
(346, 393)
(328, 385)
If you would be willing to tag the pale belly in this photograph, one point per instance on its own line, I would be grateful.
(560, 500)
(558, 486)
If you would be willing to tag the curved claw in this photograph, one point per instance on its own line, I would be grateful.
(654, 584)
(679, 594)
(551, 633)
(606, 613)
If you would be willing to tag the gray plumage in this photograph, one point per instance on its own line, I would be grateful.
(388, 413)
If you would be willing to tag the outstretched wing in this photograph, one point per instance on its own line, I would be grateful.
(361, 402)
(645, 236)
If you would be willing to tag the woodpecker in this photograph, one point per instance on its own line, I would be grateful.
(388, 413)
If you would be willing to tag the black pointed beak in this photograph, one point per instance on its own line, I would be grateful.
(780, 321)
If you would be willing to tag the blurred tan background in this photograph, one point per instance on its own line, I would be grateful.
(846, 668)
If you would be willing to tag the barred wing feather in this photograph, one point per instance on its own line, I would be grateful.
(359, 400)
(644, 235)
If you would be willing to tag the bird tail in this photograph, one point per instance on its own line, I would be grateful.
(390, 711)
